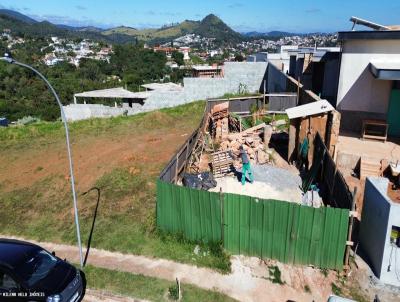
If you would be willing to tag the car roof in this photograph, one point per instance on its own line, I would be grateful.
(13, 252)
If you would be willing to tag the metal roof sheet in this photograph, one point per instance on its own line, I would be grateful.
(206, 67)
(163, 86)
(117, 93)
(309, 109)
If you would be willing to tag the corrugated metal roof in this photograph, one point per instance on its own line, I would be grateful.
(309, 109)
(112, 93)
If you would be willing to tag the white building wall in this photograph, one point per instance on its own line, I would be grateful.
(358, 89)
(378, 216)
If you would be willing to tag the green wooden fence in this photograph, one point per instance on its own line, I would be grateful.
(273, 229)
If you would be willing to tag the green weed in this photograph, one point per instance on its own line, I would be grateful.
(149, 288)
(275, 274)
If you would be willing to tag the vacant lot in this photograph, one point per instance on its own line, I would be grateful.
(122, 156)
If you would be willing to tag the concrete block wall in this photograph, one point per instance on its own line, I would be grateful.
(379, 214)
(76, 112)
(250, 74)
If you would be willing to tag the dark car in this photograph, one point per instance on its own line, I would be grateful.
(30, 273)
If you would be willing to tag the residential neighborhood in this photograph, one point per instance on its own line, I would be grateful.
(196, 160)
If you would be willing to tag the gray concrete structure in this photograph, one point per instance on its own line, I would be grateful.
(236, 74)
(380, 214)
(317, 69)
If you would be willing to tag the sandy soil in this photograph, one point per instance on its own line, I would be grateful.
(258, 189)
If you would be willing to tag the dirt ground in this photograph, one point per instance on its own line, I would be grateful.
(249, 281)
(93, 157)
(258, 189)
(101, 296)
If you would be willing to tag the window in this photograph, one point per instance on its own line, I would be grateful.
(36, 267)
(7, 283)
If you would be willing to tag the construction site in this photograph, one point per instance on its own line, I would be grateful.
(215, 163)
(278, 209)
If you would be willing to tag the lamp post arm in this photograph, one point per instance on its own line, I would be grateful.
(71, 166)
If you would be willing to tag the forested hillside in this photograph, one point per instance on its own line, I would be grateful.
(23, 94)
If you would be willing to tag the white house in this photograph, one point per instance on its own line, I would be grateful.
(369, 86)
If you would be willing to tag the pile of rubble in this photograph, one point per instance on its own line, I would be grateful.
(255, 142)
(228, 135)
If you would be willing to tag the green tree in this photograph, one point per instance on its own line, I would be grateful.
(178, 57)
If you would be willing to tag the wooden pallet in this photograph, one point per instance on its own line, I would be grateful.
(221, 163)
(370, 168)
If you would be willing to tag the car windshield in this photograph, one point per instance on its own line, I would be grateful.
(36, 267)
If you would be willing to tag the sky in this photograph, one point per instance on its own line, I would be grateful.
(242, 15)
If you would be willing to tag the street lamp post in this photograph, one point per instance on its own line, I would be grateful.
(10, 60)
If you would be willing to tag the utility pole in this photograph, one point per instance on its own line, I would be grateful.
(10, 60)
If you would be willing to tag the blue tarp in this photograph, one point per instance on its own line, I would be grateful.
(3, 122)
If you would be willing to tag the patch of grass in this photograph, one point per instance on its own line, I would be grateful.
(142, 287)
(275, 275)
(49, 132)
(210, 254)
(336, 289)
(174, 292)
(238, 95)
(358, 296)
(125, 222)
(126, 216)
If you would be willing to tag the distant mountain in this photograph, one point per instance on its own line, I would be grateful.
(213, 27)
(83, 28)
(18, 16)
(47, 29)
(274, 34)
(277, 34)
(210, 27)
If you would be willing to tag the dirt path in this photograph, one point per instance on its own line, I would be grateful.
(100, 296)
(243, 284)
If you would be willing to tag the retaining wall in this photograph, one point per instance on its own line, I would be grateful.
(248, 74)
